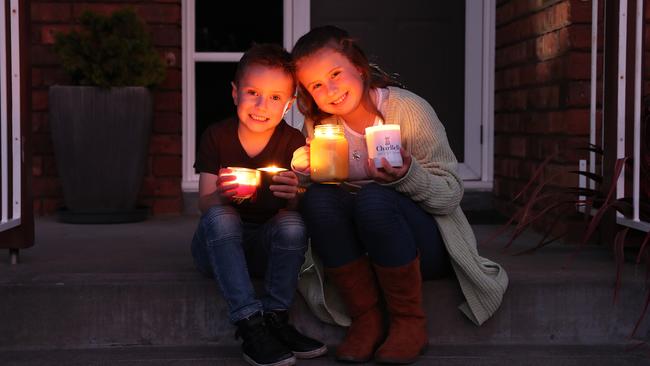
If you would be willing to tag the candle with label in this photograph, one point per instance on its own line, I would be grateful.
(384, 141)
(248, 180)
(329, 154)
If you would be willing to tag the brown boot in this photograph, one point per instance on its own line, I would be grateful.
(407, 334)
(358, 288)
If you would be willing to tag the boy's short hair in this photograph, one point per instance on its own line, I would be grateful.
(269, 55)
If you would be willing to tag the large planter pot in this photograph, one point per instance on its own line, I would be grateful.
(101, 139)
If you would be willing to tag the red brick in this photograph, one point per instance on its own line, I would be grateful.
(161, 187)
(167, 123)
(39, 122)
(163, 206)
(50, 205)
(159, 13)
(54, 75)
(46, 187)
(39, 100)
(580, 36)
(104, 9)
(50, 12)
(167, 101)
(166, 145)
(518, 147)
(37, 77)
(42, 143)
(578, 66)
(578, 94)
(167, 166)
(49, 166)
(43, 55)
(580, 11)
(48, 32)
(544, 97)
(36, 206)
(551, 44)
(166, 35)
(576, 121)
(37, 166)
(174, 79)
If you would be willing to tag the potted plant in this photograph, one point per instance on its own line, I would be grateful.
(102, 124)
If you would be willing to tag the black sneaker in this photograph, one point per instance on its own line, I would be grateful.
(301, 345)
(260, 347)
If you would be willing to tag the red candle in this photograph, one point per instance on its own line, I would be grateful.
(248, 180)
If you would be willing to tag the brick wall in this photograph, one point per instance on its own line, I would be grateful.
(541, 91)
(162, 185)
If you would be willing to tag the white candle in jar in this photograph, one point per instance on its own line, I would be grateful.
(384, 141)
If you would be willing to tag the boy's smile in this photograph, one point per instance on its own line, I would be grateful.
(262, 97)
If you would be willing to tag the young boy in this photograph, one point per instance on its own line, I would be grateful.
(259, 234)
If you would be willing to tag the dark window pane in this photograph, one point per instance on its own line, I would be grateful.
(232, 26)
(213, 94)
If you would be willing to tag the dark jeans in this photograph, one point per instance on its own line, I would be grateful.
(377, 220)
(224, 247)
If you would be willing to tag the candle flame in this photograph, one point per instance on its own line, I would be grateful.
(272, 169)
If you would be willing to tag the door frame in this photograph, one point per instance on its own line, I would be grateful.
(476, 170)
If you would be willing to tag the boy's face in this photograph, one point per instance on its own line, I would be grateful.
(262, 97)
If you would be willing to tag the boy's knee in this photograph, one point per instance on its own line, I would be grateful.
(223, 220)
(290, 231)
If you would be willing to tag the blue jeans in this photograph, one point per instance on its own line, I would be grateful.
(223, 246)
(378, 221)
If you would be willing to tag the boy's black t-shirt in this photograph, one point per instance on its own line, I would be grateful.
(220, 148)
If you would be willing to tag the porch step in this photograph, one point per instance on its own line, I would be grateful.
(438, 355)
(126, 285)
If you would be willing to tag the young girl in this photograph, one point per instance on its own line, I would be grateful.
(388, 228)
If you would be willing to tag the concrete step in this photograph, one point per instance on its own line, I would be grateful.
(605, 355)
(114, 286)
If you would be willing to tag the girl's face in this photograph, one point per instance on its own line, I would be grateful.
(332, 80)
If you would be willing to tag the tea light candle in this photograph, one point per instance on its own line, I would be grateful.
(248, 180)
(329, 154)
(384, 141)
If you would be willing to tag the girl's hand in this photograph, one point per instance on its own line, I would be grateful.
(287, 185)
(387, 173)
(300, 161)
(225, 188)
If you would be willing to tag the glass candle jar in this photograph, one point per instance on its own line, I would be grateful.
(329, 154)
(248, 180)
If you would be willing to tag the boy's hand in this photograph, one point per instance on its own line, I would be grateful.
(226, 189)
(300, 161)
(387, 173)
(287, 185)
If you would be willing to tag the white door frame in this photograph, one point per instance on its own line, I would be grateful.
(10, 114)
(476, 170)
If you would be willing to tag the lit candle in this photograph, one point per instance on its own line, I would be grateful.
(265, 194)
(384, 141)
(248, 180)
(329, 154)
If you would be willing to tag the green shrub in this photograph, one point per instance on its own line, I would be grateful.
(110, 51)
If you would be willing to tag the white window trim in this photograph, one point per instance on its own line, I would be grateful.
(296, 23)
